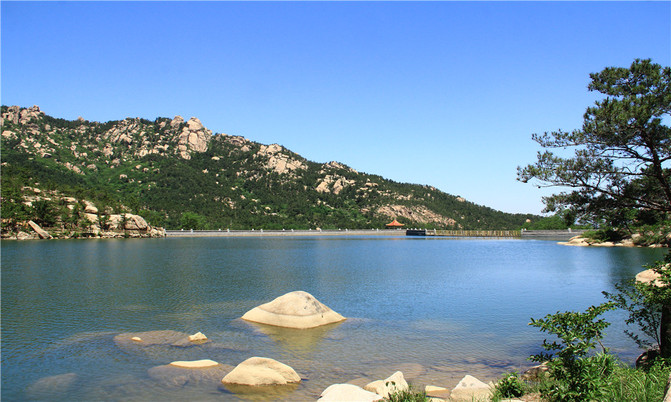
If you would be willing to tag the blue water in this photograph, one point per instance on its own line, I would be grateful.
(436, 308)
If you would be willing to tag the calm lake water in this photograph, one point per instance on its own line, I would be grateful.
(435, 308)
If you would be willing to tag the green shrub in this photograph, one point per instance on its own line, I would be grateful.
(603, 235)
(576, 375)
(510, 386)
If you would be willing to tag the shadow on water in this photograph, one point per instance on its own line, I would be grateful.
(299, 342)
(264, 393)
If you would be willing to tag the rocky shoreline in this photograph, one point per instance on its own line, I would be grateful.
(633, 241)
(76, 219)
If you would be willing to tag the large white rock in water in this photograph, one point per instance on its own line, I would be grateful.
(293, 310)
(348, 392)
(257, 371)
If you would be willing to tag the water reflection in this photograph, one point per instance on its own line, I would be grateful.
(299, 342)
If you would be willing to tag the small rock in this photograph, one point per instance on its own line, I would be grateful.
(198, 336)
(136, 339)
(392, 384)
(536, 372)
(150, 338)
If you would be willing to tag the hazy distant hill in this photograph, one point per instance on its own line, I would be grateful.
(175, 173)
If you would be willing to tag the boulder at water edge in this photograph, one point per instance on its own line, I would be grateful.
(259, 371)
(435, 393)
(181, 373)
(348, 392)
(40, 232)
(471, 389)
(394, 383)
(293, 310)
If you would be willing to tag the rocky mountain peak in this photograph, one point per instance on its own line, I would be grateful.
(176, 121)
(17, 115)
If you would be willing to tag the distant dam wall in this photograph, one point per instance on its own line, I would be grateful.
(286, 232)
(558, 235)
(524, 234)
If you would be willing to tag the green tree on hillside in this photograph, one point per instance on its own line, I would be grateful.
(619, 172)
(192, 220)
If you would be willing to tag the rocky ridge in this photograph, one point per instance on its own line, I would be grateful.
(146, 161)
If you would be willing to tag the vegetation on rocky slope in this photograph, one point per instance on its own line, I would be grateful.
(176, 174)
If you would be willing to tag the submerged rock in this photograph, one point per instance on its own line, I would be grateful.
(437, 393)
(293, 310)
(191, 364)
(133, 340)
(181, 373)
(259, 371)
(47, 387)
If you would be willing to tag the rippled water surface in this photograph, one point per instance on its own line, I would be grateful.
(434, 308)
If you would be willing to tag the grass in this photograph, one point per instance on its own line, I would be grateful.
(409, 395)
(624, 384)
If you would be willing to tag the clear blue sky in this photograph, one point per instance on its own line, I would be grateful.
(439, 93)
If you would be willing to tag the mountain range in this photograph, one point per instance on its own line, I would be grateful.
(177, 174)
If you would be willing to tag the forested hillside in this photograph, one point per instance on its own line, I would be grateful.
(177, 174)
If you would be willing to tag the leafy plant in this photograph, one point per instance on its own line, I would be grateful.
(510, 386)
(603, 235)
(577, 375)
(643, 312)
